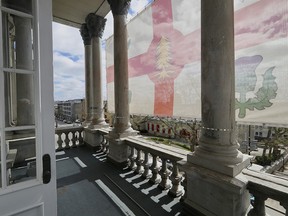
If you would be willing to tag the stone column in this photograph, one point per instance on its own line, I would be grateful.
(118, 151)
(25, 84)
(96, 25)
(218, 141)
(215, 185)
(121, 124)
(88, 68)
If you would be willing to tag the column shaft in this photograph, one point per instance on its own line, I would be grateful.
(118, 150)
(88, 69)
(96, 106)
(214, 186)
(218, 140)
(122, 119)
(84, 31)
(95, 25)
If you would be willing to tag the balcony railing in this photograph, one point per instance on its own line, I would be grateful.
(263, 186)
(159, 164)
(69, 137)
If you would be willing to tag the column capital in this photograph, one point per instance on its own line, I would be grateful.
(119, 7)
(95, 24)
(84, 31)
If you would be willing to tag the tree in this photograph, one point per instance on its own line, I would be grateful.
(275, 137)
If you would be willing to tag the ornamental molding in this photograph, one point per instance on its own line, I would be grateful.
(84, 31)
(95, 24)
(119, 7)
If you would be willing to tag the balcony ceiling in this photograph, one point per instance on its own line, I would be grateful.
(73, 12)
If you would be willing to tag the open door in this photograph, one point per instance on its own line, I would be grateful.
(27, 153)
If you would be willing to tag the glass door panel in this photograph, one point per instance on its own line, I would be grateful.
(18, 147)
(17, 41)
(19, 99)
(21, 155)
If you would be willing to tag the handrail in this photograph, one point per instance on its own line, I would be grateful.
(263, 186)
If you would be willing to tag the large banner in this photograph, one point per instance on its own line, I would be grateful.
(164, 60)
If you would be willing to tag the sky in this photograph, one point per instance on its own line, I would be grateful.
(68, 56)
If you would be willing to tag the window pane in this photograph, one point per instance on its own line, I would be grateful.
(17, 42)
(20, 5)
(19, 99)
(21, 155)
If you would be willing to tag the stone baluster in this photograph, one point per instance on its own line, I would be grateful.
(80, 138)
(259, 205)
(184, 184)
(74, 139)
(102, 144)
(132, 163)
(106, 146)
(165, 173)
(176, 178)
(156, 178)
(147, 172)
(139, 161)
(67, 140)
(59, 141)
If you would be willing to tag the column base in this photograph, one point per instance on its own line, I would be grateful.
(92, 138)
(86, 123)
(212, 193)
(99, 125)
(214, 165)
(118, 150)
(128, 132)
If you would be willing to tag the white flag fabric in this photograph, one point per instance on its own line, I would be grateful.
(165, 67)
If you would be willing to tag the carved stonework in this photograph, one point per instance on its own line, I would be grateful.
(119, 7)
(84, 31)
(95, 24)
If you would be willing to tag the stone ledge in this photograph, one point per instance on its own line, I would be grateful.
(275, 187)
(140, 139)
(229, 170)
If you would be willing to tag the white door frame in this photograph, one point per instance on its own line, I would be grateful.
(33, 197)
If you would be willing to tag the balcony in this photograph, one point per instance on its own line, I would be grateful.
(153, 183)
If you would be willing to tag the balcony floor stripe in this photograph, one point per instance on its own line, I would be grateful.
(80, 162)
(60, 159)
(115, 199)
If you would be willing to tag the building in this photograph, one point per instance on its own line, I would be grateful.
(218, 181)
(70, 110)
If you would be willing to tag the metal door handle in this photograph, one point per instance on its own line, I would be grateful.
(46, 168)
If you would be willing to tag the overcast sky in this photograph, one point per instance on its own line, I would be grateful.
(68, 55)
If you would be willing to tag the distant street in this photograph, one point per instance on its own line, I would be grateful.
(62, 124)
